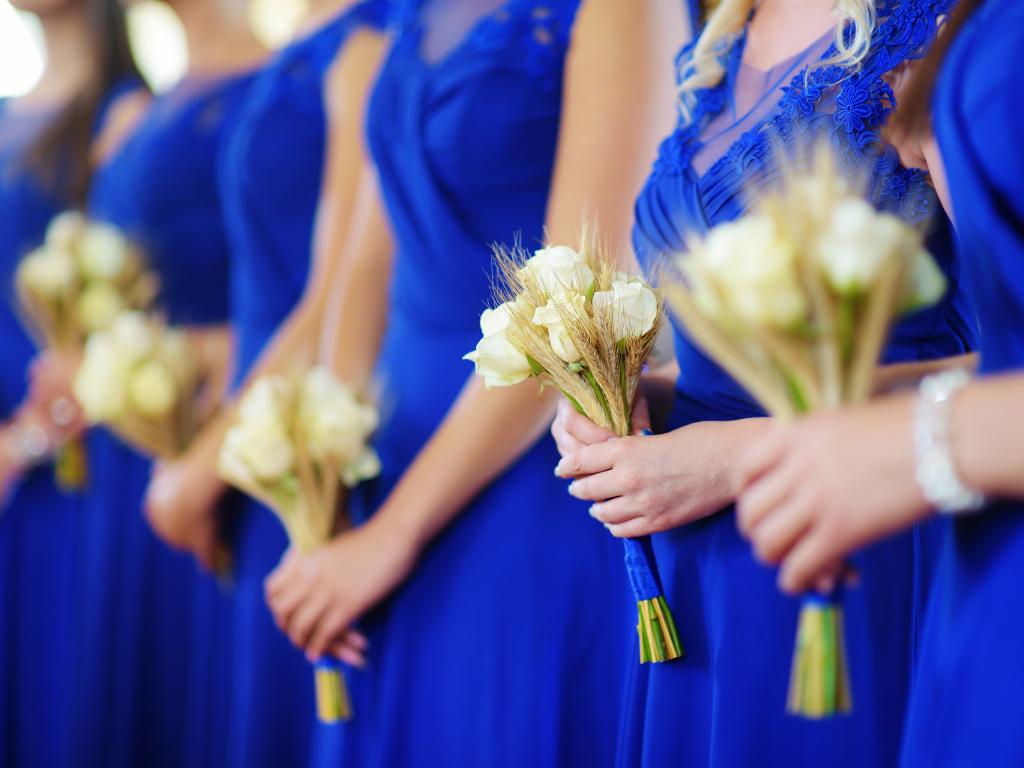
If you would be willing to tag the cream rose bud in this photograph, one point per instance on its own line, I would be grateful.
(630, 308)
(102, 252)
(65, 229)
(265, 450)
(152, 389)
(48, 271)
(264, 404)
(559, 269)
(98, 306)
(365, 466)
(925, 283)
(100, 386)
(133, 335)
(755, 267)
(858, 242)
(499, 361)
(550, 317)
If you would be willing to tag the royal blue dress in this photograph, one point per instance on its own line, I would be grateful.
(724, 704)
(965, 706)
(503, 647)
(37, 521)
(270, 180)
(151, 685)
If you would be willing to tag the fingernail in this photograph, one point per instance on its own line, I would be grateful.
(572, 489)
(593, 511)
(558, 469)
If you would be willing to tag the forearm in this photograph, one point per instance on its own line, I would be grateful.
(898, 376)
(988, 441)
(485, 432)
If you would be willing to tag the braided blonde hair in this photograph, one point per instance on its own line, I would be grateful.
(704, 68)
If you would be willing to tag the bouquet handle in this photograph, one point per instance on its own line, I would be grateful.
(70, 466)
(332, 700)
(656, 627)
(819, 684)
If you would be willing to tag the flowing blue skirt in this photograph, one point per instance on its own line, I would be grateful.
(273, 719)
(37, 649)
(965, 709)
(505, 646)
(146, 626)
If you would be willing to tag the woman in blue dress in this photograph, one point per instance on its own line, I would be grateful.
(143, 685)
(779, 74)
(497, 617)
(953, 444)
(45, 168)
(296, 146)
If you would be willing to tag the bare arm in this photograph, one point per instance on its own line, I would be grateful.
(181, 499)
(616, 70)
(988, 441)
(618, 102)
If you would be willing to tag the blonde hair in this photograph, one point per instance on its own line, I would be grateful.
(704, 67)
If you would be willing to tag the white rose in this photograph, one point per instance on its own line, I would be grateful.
(500, 362)
(65, 229)
(550, 317)
(102, 252)
(97, 307)
(365, 466)
(559, 269)
(152, 390)
(629, 308)
(857, 244)
(264, 404)
(267, 453)
(755, 268)
(49, 272)
(925, 283)
(133, 334)
(100, 385)
(333, 420)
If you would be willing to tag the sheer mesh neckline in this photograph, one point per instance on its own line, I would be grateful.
(447, 26)
(753, 95)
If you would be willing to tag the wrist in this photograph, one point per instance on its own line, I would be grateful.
(936, 440)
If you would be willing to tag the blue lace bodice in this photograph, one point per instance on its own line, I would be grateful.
(848, 108)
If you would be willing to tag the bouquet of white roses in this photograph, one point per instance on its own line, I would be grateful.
(141, 379)
(76, 283)
(575, 321)
(795, 300)
(296, 441)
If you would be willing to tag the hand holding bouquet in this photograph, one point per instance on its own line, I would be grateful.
(76, 283)
(576, 322)
(141, 379)
(294, 443)
(795, 300)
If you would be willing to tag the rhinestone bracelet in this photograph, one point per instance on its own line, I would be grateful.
(936, 473)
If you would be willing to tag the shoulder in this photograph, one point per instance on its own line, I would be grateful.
(119, 122)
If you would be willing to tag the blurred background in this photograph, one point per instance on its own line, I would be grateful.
(156, 38)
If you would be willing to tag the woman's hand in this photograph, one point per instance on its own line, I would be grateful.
(316, 597)
(644, 485)
(814, 491)
(181, 502)
(50, 393)
(573, 431)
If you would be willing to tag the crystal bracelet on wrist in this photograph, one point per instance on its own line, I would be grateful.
(933, 443)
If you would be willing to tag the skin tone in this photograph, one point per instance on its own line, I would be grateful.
(615, 68)
(183, 496)
(644, 485)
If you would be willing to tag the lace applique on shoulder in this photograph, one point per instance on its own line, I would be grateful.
(849, 107)
(540, 29)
